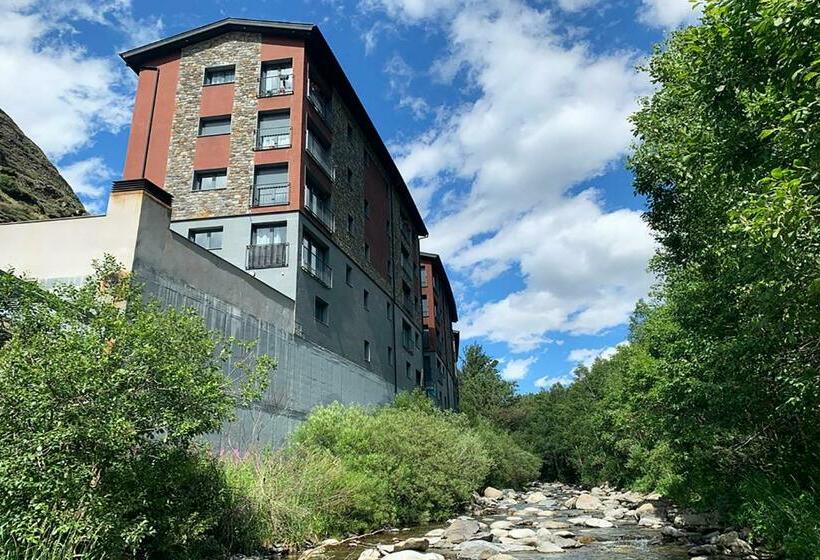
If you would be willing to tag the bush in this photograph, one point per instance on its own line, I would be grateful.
(512, 466)
(417, 463)
(101, 398)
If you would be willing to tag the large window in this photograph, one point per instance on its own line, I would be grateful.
(211, 126)
(367, 351)
(319, 149)
(270, 185)
(269, 247)
(210, 180)
(209, 238)
(277, 78)
(315, 260)
(320, 310)
(273, 130)
(219, 75)
(317, 203)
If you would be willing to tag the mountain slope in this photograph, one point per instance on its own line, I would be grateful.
(31, 188)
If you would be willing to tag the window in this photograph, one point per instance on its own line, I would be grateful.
(406, 335)
(418, 377)
(273, 130)
(269, 234)
(268, 248)
(367, 251)
(210, 180)
(211, 126)
(319, 100)
(210, 238)
(319, 149)
(418, 341)
(424, 310)
(389, 354)
(407, 369)
(389, 310)
(349, 176)
(314, 260)
(423, 272)
(349, 224)
(320, 310)
(367, 351)
(317, 203)
(365, 298)
(219, 75)
(270, 185)
(277, 78)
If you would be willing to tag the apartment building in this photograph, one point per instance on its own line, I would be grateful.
(440, 341)
(275, 166)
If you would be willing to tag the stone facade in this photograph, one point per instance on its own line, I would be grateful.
(243, 51)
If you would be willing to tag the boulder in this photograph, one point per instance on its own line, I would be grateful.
(522, 533)
(672, 532)
(435, 533)
(548, 548)
(646, 510)
(419, 544)
(569, 503)
(565, 542)
(413, 555)
(501, 524)
(535, 497)
(550, 524)
(477, 550)
(498, 533)
(588, 502)
(370, 554)
(598, 523)
(732, 542)
(546, 513)
(492, 493)
(649, 521)
(461, 530)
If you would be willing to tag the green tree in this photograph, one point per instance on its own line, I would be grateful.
(102, 398)
(482, 391)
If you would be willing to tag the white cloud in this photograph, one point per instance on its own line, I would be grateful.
(59, 94)
(668, 14)
(401, 76)
(543, 115)
(587, 356)
(576, 5)
(548, 381)
(90, 179)
(515, 370)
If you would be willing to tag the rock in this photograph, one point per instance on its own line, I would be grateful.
(501, 556)
(435, 533)
(461, 530)
(672, 532)
(492, 493)
(370, 554)
(477, 550)
(329, 542)
(615, 513)
(419, 544)
(499, 533)
(588, 502)
(597, 523)
(649, 521)
(548, 548)
(694, 520)
(569, 503)
(550, 524)
(579, 520)
(385, 549)
(564, 542)
(502, 524)
(732, 542)
(535, 497)
(703, 550)
(546, 513)
(413, 555)
(565, 534)
(515, 519)
(522, 533)
(530, 511)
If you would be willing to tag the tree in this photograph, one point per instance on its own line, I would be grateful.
(102, 398)
(482, 391)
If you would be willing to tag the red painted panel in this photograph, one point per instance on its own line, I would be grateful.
(150, 135)
(216, 100)
(212, 152)
(375, 227)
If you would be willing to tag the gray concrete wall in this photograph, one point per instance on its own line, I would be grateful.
(236, 236)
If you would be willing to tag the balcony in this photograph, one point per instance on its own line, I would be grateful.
(321, 105)
(320, 154)
(270, 195)
(270, 86)
(407, 342)
(273, 255)
(273, 138)
(322, 213)
(314, 264)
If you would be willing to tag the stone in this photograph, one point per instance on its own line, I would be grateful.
(598, 523)
(672, 532)
(499, 533)
(385, 549)
(515, 519)
(703, 550)
(522, 533)
(501, 556)
(477, 550)
(461, 530)
(492, 493)
(535, 497)
(435, 533)
(565, 534)
(569, 503)
(579, 520)
(329, 542)
(419, 544)
(646, 510)
(370, 554)
(530, 511)
(501, 524)
(694, 520)
(546, 513)
(649, 521)
(413, 555)
(550, 524)
(548, 548)
(732, 542)
(564, 542)
(588, 502)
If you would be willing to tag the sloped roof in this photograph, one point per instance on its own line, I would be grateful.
(435, 260)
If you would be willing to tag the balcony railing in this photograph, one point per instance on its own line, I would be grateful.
(275, 85)
(320, 154)
(273, 138)
(314, 264)
(273, 255)
(322, 107)
(270, 195)
(407, 342)
(322, 213)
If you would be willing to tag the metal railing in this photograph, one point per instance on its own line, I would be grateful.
(322, 213)
(314, 264)
(273, 138)
(275, 85)
(320, 154)
(407, 341)
(321, 106)
(270, 195)
(272, 255)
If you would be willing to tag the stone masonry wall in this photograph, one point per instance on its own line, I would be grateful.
(242, 50)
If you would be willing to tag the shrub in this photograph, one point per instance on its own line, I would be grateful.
(101, 398)
(512, 466)
(417, 463)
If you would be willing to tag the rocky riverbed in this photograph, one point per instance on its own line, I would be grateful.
(556, 520)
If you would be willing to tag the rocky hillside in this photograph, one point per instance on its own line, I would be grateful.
(31, 188)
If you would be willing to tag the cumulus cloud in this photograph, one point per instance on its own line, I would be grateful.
(548, 381)
(59, 94)
(499, 176)
(515, 370)
(587, 356)
(668, 14)
(90, 179)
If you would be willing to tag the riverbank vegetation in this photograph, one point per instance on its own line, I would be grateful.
(715, 400)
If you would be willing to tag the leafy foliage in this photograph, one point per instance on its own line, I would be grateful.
(482, 391)
(98, 417)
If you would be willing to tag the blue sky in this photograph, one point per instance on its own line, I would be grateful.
(507, 118)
